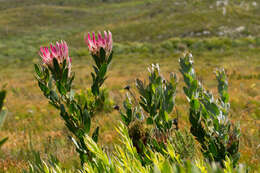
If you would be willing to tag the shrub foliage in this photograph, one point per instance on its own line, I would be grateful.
(151, 138)
(208, 117)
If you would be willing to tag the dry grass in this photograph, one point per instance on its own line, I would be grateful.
(32, 120)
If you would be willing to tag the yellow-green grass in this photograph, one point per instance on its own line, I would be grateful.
(145, 32)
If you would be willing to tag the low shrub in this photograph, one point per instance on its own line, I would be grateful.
(149, 116)
(208, 117)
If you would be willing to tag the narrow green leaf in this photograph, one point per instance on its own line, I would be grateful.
(86, 121)
(102, 55)
(3, 115)
(65, 75)
(2, 141)
(44, 88)
(110, 58)
(56, 65)
(37, 70)
(61, 88)
(149, 121)
(95, 135)
(2, 98)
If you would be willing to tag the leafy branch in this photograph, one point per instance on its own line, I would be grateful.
(210, 125)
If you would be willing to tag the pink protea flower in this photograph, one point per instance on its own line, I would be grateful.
(59, 51)
(94, 45)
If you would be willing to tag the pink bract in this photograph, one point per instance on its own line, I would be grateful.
(94, 45)
(59, 51)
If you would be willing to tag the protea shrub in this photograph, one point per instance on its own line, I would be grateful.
(100, 49)
(149, 115)
(218, 137)
(55, 78)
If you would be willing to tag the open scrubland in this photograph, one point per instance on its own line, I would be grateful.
(144, 32)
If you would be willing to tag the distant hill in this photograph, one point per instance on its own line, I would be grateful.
(27, 24)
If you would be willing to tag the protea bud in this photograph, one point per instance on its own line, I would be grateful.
(59, 52)
(94, 45)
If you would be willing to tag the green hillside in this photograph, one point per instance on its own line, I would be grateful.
(25, 25)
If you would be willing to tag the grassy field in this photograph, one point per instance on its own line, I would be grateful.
(144, 32)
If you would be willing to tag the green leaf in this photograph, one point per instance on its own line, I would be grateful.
(44, 88)
(46, 74)
(65, 75)
(62, 109)
(102, 71)
(195, 105)
(70, 81)
(124, 119)
(213, 108)
(110, 58)
(97, 60)
(153, 88)
(3, 115)
(64, 64)
(170, 105)
(2, 98)
(102, 55)
(96, 69)
(73, 108)
(61, 88)
(166, 167)
(95, 135)
(166, 116)
(2, 141)
(149, 121)
(49, 85)
(37, 70)
(56, 66)
(93, 77)
(54, 96)
(86, 121)
(213, 148)
(95, 89)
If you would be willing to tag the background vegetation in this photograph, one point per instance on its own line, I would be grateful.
(144, 32)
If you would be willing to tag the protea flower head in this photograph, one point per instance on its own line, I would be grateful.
(59, 51)
(94, 45)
